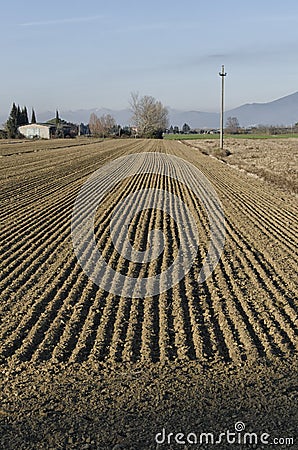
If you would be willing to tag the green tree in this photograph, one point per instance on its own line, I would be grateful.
(33, 117)
(59, 127)
(3, 134)
(186, 128)
(23, 117)
(12, 122)
(57, 118)
(26, 119)
(19, 115)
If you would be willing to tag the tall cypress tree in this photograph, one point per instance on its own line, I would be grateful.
(33, 117)
(57, 118)
(12, 122)
(25, 116)
(19, 115)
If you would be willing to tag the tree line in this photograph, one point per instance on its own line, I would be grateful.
(233, 127)
(17, 117)
(102, 126)
(149, 120)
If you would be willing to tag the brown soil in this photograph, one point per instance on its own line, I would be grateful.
(273, 160)
(83, 369)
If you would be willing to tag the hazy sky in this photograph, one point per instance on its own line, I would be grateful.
(76, 54)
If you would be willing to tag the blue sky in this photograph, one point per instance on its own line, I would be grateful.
(75, 54)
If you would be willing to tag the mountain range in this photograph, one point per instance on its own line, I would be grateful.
(283, 111)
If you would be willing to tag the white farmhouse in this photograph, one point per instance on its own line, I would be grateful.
(36, 130)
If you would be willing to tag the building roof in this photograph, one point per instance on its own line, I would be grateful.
(48, 125)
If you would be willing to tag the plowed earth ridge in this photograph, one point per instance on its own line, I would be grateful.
(50, 310)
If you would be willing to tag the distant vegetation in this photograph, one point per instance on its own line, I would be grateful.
(254, 135)
(18, 116)
(149, 120)
(103, 126)
(150, 117)
(232, 129)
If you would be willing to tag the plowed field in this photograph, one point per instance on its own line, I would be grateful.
(274, 160)
(55, 320)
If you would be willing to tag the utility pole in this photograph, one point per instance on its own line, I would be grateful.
(222, 74)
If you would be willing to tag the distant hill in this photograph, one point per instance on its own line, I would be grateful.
(122, 117)
(195, 119)
(283, 111)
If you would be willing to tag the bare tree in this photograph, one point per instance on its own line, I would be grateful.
(94, 124)
(149, 115)
(232, 125)
(108, 123)
(101, 126)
